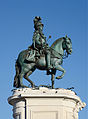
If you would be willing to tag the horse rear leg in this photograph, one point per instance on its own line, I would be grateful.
(26, 77)
(20, 80)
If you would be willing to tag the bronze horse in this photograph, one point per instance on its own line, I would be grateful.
(24, 67)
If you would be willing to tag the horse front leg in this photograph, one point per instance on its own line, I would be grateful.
(62, 70)
(53, 72)
(52, 79)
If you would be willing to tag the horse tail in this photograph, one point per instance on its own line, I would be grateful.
(16, 78)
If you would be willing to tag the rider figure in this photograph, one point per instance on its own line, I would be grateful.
(39, 40)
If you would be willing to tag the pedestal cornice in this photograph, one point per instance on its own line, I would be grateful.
(44, 102)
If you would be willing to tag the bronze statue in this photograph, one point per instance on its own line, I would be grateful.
(39, 55)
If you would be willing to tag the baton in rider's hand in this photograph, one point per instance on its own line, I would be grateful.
(48, 38)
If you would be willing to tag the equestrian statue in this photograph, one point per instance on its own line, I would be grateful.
(40, 56)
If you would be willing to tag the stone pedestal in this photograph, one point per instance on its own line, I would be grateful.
(45, 103)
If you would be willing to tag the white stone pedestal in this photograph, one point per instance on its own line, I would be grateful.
(45, 103)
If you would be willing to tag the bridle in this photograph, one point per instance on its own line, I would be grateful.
(66, 50)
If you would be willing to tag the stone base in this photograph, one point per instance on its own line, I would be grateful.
(45, 103)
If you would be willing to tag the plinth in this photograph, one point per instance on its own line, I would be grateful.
(44, 103)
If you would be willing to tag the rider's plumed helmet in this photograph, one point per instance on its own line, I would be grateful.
(37, 22)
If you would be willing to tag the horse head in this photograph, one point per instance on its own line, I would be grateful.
(67, 45)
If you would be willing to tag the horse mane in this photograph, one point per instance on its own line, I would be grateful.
(55, 42)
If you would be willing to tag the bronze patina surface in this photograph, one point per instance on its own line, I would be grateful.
(39, 55)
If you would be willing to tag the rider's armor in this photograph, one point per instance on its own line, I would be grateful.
(39, 41)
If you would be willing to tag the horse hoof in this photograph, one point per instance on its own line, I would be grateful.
(58, 77)
(33, 86)
(23, 86)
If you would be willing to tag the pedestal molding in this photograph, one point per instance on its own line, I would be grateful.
(52, 103)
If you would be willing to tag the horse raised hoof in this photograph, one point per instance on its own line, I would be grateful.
(58, 77)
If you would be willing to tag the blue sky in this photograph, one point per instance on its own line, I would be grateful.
(60, 17)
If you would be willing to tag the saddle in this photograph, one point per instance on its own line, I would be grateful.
(33, 54)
